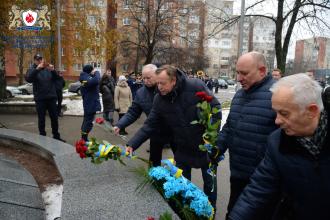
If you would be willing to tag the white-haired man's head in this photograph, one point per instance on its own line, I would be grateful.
(149, 75)
(297, 100)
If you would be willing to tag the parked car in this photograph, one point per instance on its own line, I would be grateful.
(222, 84)
(230, 82)
(26, 89)
(75, 87)
(11, 91)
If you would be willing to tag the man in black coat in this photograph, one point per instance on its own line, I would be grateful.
(59, 85)
(175, 107)
(43, 76)
(250, 121)
(297, 161)
(143, 103)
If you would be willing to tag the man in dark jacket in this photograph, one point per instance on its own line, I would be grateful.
(89, 79)
(59, 85)
(143, 103)
(43, 77)
(297, 161)
(250, 121)
(175, 107)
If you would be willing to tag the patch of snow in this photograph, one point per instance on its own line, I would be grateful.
(52, 198)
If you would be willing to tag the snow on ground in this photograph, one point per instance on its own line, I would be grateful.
(52, 198)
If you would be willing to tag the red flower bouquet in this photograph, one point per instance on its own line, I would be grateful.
(99, 152)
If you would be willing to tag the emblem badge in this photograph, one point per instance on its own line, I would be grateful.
(29, 17)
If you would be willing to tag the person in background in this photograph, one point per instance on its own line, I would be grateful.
(123, 99)
(277, 74)
(250, 121)
(297, 161)
(42, 75)
(59, 84)
(175, 107)
(143, 103)
(89, 79)
(107, 89)
(133, 84)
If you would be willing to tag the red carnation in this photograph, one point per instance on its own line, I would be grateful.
(99, 120)
(81, 148)
(201, 95)
(208, 98)
(150, 218)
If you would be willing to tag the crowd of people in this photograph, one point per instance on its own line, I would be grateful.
(277, 131)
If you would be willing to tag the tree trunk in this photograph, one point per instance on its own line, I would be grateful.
(21, 66)
(3, 83)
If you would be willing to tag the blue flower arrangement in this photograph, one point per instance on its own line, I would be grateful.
(174, 187)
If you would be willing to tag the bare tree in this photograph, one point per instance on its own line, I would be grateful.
(290, 15)
(156, 24)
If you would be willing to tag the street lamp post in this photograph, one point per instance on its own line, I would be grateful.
(241, 29)
(59, 47)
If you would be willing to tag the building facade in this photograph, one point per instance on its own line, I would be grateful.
(312, 54)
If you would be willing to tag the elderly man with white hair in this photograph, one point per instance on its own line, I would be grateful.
(297, 161)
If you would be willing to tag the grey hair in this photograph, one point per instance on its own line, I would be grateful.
(305, 90)
(149, 67)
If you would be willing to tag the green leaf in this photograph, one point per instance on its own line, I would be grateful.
(165, 216)
(215, 110)
(204, 105)
(194, 122)
(202, 147)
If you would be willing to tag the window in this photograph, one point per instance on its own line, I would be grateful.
(126, 4)
(76, 52)
(215, 66)
(77, 36)
(91, 20)
(125, 67)
(224, 58)
(194, 19)
(77, 66)
(126, 21)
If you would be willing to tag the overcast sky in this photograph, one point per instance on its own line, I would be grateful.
(300, 31)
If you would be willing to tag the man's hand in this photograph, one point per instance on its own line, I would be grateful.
(116, 130)
(129, 150)
(51, 67)
(215, 155)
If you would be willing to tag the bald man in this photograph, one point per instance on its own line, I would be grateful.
(250, 121)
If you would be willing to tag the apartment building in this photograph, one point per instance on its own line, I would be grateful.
(162, 31)
(312, 54)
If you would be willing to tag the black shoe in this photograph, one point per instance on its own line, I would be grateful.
(60, 114)
(123, 132)
(60, 139)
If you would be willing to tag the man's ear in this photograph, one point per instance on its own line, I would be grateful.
(313, 110)
(262, 70)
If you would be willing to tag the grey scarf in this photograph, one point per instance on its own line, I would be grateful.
(314, 144)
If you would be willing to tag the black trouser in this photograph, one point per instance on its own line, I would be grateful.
(47, 105)
(59, 101)
(87, 125)
(210, 187)
(236, 188)
(156, 149)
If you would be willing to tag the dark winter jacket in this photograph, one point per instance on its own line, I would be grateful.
(250, 121)
(143, 103)
(43, 81)
(107, 89)
(59, 83)
(90, 92)
(177, 110)
(289, 169)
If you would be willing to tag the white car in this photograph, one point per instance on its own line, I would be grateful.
(26, 89)
(11, 91)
